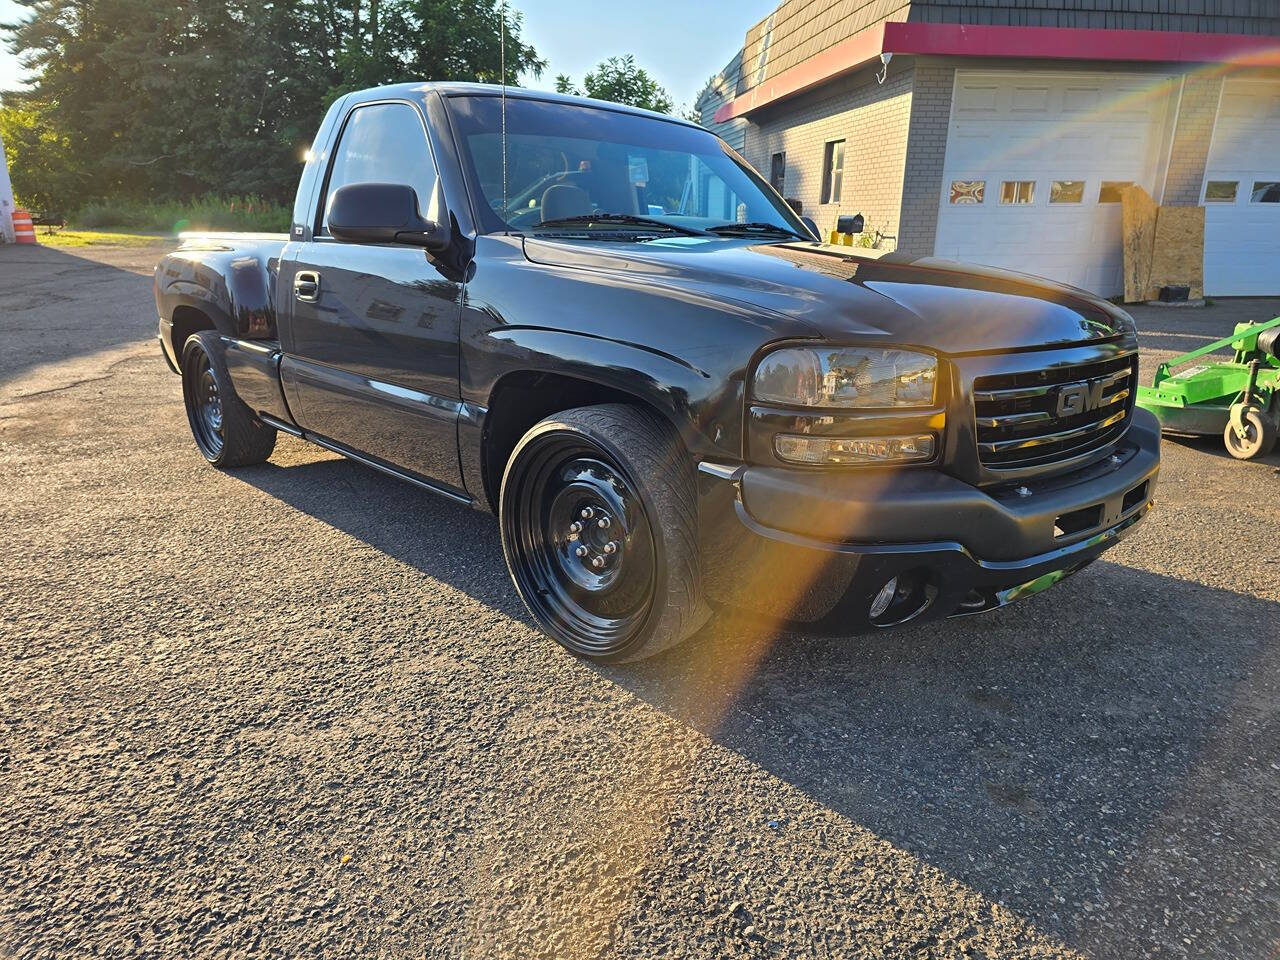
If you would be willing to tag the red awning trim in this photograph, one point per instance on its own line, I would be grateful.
(844, 57)
(1036, 43)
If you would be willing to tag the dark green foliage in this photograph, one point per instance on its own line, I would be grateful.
(619, 79)
(156, 100)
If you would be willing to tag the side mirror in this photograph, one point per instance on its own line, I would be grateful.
(813, 227)
(382, 213)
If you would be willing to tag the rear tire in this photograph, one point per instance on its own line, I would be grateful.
(225, 430)
(1260, 436)
(599, 529)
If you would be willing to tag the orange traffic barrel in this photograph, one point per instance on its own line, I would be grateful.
(23, 229)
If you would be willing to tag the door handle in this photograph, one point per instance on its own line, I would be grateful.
(306, 286)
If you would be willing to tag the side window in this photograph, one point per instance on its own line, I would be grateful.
(1265, 191)
(968, 191)
(1112, 191)
(778, 171)
(1220, 191)
(383, 143)
(1018, 191)
(1066, 191)
(832, 171)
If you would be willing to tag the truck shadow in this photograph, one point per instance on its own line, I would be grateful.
(1099, 744)
(1105, 743)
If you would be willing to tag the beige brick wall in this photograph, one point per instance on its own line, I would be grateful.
(1191, 137)
(871, 118)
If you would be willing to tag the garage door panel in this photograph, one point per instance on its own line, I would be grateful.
(976, 98)
(1242, 238)
(1043, 128)
(1077, 100)
(1029, 99)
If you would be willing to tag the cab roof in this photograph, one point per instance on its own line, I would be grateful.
(450, 88)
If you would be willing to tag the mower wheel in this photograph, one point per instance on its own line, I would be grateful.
(1259, 438)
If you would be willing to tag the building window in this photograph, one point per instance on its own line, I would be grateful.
(1018, 191)
(833, 172)
(1066, 191)
(1265, 191)
(1112, 191)
(778, 171)
(968, 191)
(1220, 191)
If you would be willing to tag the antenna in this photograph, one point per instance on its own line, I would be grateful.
(502, 56)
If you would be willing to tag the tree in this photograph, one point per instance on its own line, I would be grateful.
(40, 161)
(431, 40)
(619, 80)
(173, 100)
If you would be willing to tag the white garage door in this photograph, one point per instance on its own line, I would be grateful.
(1242, 193)
(1034, 168)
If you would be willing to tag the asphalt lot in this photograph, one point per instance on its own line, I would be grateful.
(298, 710)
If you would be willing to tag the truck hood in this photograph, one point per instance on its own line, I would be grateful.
(949, 307)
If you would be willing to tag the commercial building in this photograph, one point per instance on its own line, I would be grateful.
(1003, 132)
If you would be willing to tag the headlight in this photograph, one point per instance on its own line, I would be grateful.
(846, 377)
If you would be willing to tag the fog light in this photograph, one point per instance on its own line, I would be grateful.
(804, 449)
(885, 597)
(907, 595)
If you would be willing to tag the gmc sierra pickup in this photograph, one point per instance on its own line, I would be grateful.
(602, 325)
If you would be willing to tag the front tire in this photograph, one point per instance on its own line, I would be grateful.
(599, 529)
(225, 430)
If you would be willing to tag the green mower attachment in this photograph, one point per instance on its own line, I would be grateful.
(1239, 399)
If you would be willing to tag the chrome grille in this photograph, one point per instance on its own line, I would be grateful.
(1047, 416)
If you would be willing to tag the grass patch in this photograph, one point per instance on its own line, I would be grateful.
(95, 238)
(246, 214)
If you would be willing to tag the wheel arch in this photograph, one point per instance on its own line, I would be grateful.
(187, 320)
(520, 398)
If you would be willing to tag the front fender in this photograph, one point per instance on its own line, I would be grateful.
(704, 411)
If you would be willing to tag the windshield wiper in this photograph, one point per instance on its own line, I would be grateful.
(619, 219)
(752, 229)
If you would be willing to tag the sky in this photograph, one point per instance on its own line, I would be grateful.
(680, 42)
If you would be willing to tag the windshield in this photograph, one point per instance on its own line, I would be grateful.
(569, 163)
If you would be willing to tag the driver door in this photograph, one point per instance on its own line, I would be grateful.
(374, 351)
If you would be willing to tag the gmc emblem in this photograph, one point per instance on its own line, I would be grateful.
(1076, 398)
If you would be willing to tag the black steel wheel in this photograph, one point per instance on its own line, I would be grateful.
(597, 512)
(1259, 438)
(225, 430)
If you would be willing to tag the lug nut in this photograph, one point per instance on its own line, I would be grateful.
(602, 522)
(575, 527)
(597, 562)
(581, 550)
(610, 547)
(587, 513)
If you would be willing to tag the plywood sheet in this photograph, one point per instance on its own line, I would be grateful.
(1138, 218)
(1177, 258)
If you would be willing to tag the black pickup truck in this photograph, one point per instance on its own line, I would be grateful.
(604, 326)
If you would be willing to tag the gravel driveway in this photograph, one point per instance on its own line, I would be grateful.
(297, 710)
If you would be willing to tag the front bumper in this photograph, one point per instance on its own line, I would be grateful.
(813, 548)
